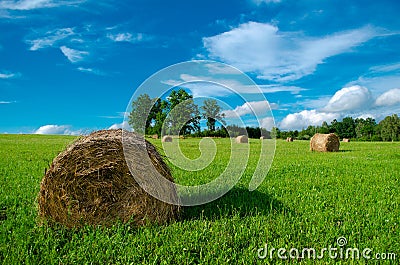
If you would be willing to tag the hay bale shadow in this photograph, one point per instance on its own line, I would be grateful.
(238, 201)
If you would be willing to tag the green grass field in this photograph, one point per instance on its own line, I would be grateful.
(308, 200)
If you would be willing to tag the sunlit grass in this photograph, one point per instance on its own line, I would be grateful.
(308, 199)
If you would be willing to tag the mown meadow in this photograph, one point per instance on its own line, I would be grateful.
(307, 200)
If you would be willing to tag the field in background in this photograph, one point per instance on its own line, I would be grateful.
(307, 200)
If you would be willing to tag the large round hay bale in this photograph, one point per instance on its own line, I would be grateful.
(166, 139)
(90, 183)
(325, 142)
(242, 139)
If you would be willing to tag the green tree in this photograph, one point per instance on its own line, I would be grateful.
(348, 128)
(158, 114)
(183, 114)
(212, 112)
(324, 128)
(390, 128)
(365, 128)
(345, 128)
(140, 116)
(275, 133)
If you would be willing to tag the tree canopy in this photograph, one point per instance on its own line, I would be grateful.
(212, 112)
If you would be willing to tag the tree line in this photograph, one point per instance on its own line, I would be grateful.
(177, 114)
(357, 129)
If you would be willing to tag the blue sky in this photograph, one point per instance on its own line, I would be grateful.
(72, 66)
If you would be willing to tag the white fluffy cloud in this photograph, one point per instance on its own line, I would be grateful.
(267, 123)
(349, 99)
(73, 55)
(355, 101)
(123, 125)
(305, 118)
(256, 107)
(389, 98)
(35, 4)
(280, 56)
(57, 129)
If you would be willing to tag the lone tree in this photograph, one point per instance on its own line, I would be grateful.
(212, 112)
(140, 116)
(183, 114)
(176, 115)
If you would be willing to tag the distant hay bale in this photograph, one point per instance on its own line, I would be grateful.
(325, 142)
(166, 139)
(90, 183)
(154, 136)
(289, 139)
(241, 139)
(262, 138)
(346, 140)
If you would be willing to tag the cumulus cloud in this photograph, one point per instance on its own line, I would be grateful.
(349, 99)
(366, 115)
(305, 118)
(389, 98)
(254, 107)
(35, 4)
(123, 125)
(280, 56)
(57, 129)
(73, 55)
(355, 101)
(50, 38)
(267, 123)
